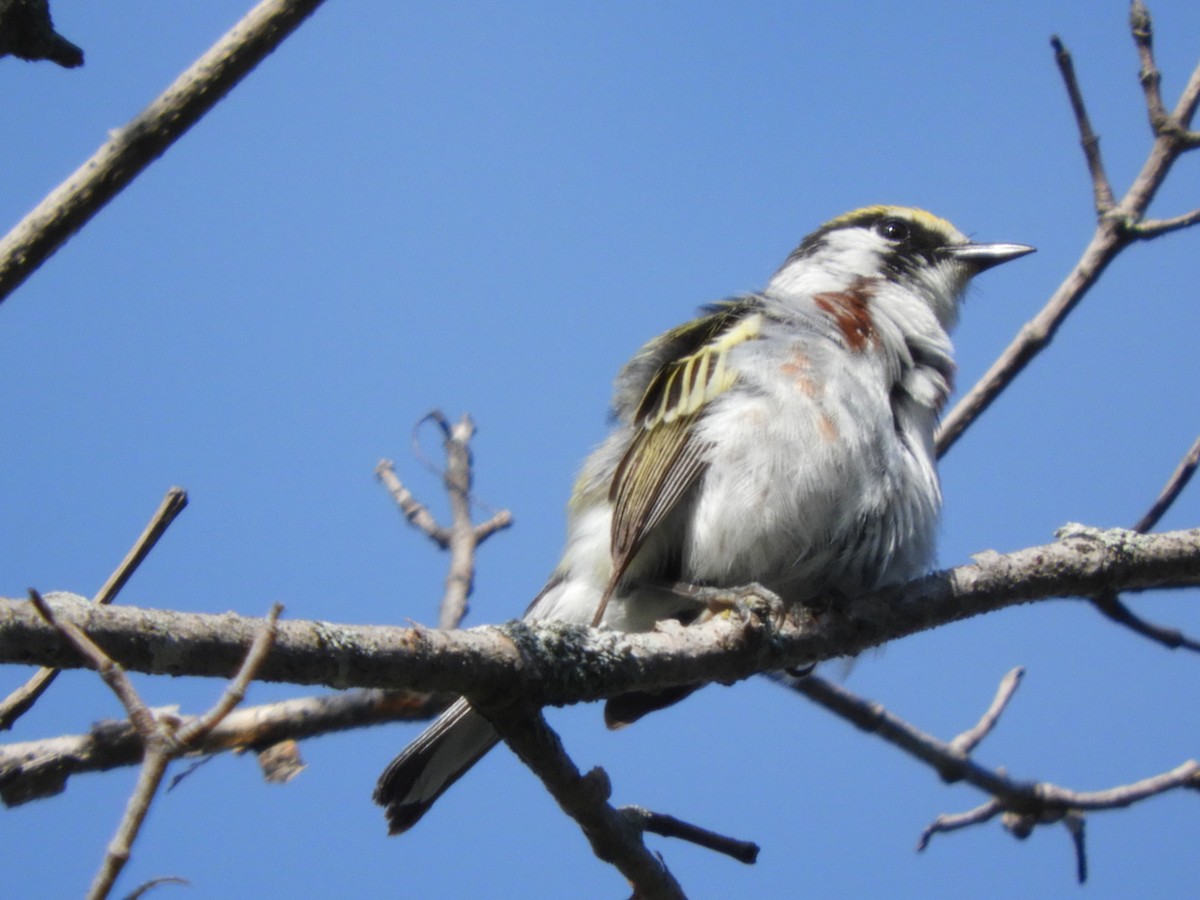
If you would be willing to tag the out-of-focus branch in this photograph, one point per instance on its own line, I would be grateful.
(131, 149)
(36, 769)
(463, 536)
(1119, 223)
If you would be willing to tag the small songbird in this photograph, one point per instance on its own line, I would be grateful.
(783, 437)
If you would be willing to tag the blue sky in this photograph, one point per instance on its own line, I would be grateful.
(488, 209)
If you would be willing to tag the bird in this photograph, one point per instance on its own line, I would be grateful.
(783, 437)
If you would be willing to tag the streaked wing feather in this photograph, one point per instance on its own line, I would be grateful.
(665, 458)
(658, 467)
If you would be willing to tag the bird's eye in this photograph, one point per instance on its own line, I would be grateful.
(894, 230)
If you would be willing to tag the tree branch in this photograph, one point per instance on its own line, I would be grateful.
(131, 149)
(1023, 805)
(1108, 601)
(1118, 225)
(1102, 194)
(463, 536)
(614, 837)
(33, 770)
(555, 663)
(22, 699)
(1172, 489)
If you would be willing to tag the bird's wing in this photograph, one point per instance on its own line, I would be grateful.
(665, 457)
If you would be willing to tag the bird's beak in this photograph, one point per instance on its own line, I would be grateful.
(984, 256)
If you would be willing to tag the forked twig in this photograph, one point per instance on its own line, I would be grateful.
(462, 537)
(1023, 805)
(22, 699)
(163, 741)
(1118, 223)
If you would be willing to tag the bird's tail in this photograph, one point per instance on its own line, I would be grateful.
(440, 755)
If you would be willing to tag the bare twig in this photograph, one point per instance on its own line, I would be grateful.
(457, 478)
(951, 763)
(1109, 602)
(22, 699)
(970, 739)
(462, 537)
(669, 826)
(417, 513)
(131, 149)
(1142, 29)
(1172, 489)
(172, 505)
(1148, 229)
(1172, 638)
(1119, 224)
(614, 837)
(235, 691)
(948, 822)
(142, 889)
(1101, 188)
(162, 740)
(1024, 805)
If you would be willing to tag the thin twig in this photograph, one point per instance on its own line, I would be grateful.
(131, 149)
(1102, 193)
(1023, 804)
(1148, 229)
(235, 691)
(669, 826)
(1109, 602)
(1117, 227)
(462, 537)
(172, 505)
(970, 739)
(1172, 489)
(948, 822)
(142, 889)
(1142, 29)
(1111, 606)
(417, 514)
(457, 479)
(23, 698)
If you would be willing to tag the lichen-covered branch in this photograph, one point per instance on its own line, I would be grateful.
(556, 663)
